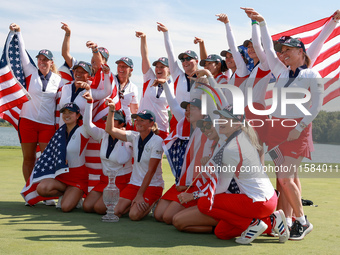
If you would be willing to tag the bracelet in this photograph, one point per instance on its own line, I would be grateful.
(90, 101)
(67, 34)
(112, 111)
(195, 194)
(253, 22)
(302, 125)
(95, 51)
(262, 23)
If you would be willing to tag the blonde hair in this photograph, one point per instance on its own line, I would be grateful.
(155, 129)
(307, 59)
(249, 130)
(54, 69)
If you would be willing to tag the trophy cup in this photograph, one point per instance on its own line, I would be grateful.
(110, 196)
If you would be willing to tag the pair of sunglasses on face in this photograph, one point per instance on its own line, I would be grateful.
(187, 59)
(206, 127)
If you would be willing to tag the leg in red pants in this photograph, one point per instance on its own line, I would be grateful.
(235, 212)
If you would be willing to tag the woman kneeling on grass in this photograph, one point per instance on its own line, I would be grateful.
(72, 184)
(146, 183)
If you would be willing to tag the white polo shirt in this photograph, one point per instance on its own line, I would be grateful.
(150, 101)
(152, 149)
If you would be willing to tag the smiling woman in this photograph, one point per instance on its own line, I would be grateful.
(37, 123)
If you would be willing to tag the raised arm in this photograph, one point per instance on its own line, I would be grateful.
(97, 58)
(25, 61)
(175, 108)
(173, 63)
(95, 132)
(110, 129)
(314, 49)
(274, 62)
(99, 94)
(256, 38)
(146, 65)
(65, 48)
(203, 51)
(240, 64)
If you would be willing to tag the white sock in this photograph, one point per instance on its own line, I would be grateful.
(302, 220)
(289, 222)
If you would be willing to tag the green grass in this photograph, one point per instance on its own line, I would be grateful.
(45, 230)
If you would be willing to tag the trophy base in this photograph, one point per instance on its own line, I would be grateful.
(110, 218)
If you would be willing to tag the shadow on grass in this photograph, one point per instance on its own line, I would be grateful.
(78, 226)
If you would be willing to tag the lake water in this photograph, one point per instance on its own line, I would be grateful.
(324, 153)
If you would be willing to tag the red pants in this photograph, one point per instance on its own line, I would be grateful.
(235, 213)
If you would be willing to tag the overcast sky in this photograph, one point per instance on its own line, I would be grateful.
(112, 24)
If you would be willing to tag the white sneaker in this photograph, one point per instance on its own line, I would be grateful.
(280, 226)
(58, 206)
(252, 232)
(49, 202)
(80, 204)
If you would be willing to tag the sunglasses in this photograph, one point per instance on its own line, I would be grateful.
(187, 59)
(206, 127)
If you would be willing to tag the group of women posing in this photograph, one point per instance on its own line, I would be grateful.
(228, 203)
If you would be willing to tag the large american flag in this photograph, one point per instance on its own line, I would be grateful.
(328, 62)
(51, 164)
(13, 91)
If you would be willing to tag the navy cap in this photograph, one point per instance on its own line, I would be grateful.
(86, 66)
(224, 52)
(211, 58)
(145, 114)
(71, 107)
(161, 60)
(282, 39)
(206, 118)
(190, 53)
(246, 42)
(291, 42)
(104, 52)
(46, 53)
(228, 113)
(126, 60)
(120, 116)
(196, 102)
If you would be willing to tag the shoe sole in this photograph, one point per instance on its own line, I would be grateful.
(308, 230)
(284, 237)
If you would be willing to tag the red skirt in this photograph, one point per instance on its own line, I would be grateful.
(77, 177)
(172, 194)
(299, 147)
(261, 131)
(121, 182)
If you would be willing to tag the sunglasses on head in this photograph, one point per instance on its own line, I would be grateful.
(206, 127)
(187, 58)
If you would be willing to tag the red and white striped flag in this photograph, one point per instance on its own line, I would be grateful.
(12, 81)
(328, 61)
(100, 109)
(198, 147)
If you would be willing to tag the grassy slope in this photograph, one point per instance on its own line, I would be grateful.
(42, 229)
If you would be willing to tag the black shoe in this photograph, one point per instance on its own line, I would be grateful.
(299, 231)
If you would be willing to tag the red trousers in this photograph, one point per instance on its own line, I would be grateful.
(235, 213)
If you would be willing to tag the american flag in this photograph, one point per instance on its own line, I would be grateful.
(13, 91)
(198, 147)
(328, 61)
(174, 147)
(276, 155)
(51, 164)
(208, 182)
